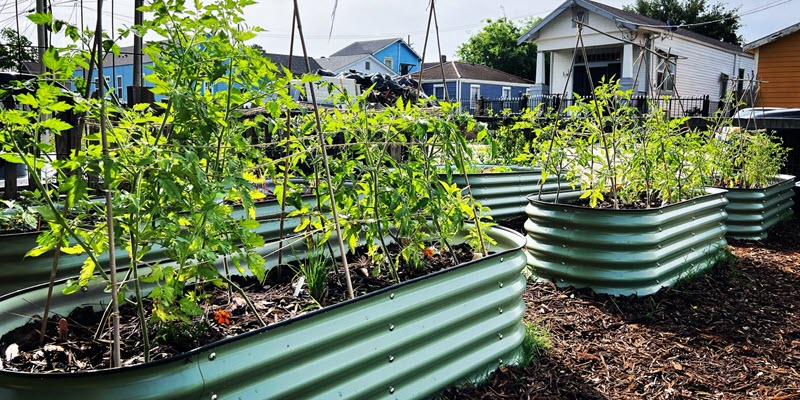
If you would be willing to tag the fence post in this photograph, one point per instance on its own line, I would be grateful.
(706, 105)
(479, 106)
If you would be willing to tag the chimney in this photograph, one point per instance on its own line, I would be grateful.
(444, 58)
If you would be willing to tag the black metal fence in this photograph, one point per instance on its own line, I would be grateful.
(699, 106)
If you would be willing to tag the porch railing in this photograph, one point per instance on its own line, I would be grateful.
(696, 106)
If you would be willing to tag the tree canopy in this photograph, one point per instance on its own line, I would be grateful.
(717, 21)
(496, 46)
(14, 50)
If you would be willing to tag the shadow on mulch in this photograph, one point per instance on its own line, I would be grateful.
(732, 333)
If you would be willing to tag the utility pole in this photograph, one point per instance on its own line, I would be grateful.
(41, 34)
(137, 48)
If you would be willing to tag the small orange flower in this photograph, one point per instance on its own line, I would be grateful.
(619, 187)
(222, 317)
(428, 252)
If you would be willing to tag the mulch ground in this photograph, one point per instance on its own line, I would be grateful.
(732, 333)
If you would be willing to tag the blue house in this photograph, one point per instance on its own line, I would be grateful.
(466, 83)
(118, 71)
(395, 54)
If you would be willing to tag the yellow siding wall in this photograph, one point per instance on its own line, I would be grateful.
(779, 66)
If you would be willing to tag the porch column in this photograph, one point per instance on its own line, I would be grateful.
(626, 81)
(539, 88)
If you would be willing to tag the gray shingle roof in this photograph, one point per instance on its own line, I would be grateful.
(298, 63)
(462, 70)
(334, 63)
(125, 57)
(364, 47)
(773, 37)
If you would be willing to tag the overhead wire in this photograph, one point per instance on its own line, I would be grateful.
(735, 16)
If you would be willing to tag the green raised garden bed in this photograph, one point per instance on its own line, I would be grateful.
(409, 340)
(18, 271)
(505, 193)
(624, 252)
(753, 212)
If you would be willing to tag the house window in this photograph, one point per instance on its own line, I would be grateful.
(389, 62)
(506, 92)
(665, 77)
(119, 86)
(366, 65)
(474, 94)
(579, 15)
(438, 92)
(406, 68)
(723, 85)
(740, 84)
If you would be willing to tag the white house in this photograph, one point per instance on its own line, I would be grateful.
(364, 63)
(391, 56)
(644, 53)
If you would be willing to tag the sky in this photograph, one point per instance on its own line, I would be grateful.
(379, 19)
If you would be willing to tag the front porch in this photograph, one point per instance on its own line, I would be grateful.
(601, 63)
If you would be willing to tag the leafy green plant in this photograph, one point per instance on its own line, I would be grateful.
(16, 217)
(166, 169)
(535, 342)
(167, 165)
(315, 268)
(621, 158)
(746, 159)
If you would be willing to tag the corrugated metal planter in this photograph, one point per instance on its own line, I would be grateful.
(17, 272)
(624, 252)
(796, 206)
(505, 193)
(752, 212)
(409, 340)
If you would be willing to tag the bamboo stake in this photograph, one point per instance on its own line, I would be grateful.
(286, 158)
(112, 259)
(325, 160)
(425, 48)
(441, 65)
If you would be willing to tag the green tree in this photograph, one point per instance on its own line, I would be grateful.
(496, 46)
(14, 50)
(717, 21)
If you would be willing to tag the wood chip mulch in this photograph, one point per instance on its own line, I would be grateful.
(733, 333)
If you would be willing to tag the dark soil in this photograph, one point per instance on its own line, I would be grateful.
(517, 224)
(639, 204)
(726, 184)
(70, 345)
(733, 333)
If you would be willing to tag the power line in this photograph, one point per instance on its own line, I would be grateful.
(422, 32)
(735, 16)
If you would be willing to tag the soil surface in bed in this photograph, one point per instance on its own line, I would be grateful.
(71, 347)
(733, 333)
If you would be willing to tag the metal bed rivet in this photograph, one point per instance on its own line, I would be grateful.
(391, 389)
(391, 296)
(212, 356)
